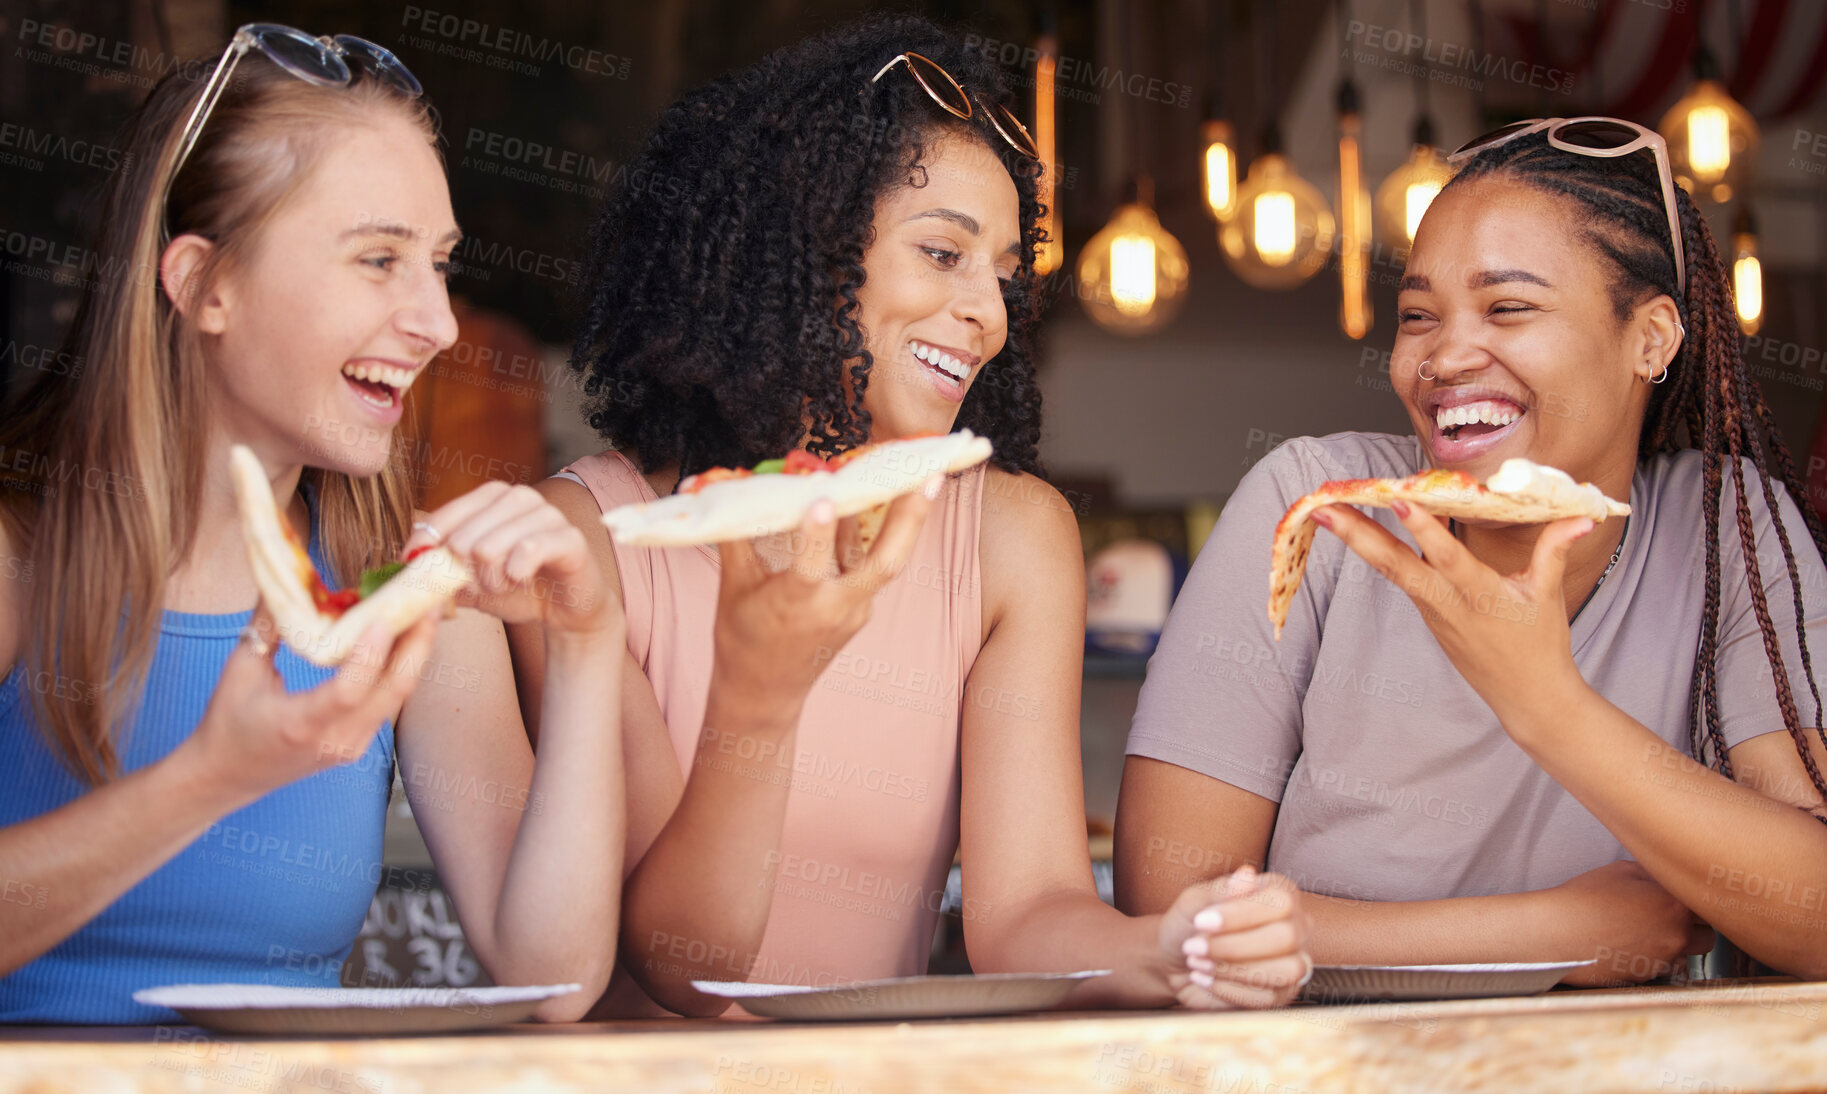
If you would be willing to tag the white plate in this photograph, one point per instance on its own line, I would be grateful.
(1360, 983)
(904, 997)
(267, 1009)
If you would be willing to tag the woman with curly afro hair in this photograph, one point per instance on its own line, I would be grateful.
(815, 252)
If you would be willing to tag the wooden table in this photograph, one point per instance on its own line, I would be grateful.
(1697, 1039)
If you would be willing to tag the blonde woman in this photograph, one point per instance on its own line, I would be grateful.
(180, 799)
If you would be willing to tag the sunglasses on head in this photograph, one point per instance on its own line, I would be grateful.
(324, 61)
(1605, 138)
(942, 89)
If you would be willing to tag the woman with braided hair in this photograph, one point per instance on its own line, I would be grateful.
(831, 247)
(1492, 742)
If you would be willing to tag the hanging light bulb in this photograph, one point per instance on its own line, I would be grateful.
(1218, 169)
(1747, 273)
(1281, 229)
(1712, 140)
(1052, 252)
(1133, 274)
(1403, 198)
(1354, 220)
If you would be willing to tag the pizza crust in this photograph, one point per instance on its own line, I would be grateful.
(762, 505)
(1521, 492)
(427, 583)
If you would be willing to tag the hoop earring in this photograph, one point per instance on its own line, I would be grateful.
(1666, 369)
(1422, 371)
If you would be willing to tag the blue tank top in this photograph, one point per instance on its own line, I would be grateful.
(274, 893)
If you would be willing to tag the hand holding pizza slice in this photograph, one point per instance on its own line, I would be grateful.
(323, 625)
(1521, 492)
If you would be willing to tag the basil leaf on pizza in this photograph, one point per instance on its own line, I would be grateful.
(322, 624)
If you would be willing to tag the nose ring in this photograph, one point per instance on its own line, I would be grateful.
(1422, 371)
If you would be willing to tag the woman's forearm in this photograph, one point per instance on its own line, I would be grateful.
(1073, 931)
(1458, 930)
(1742, 861)
(563, 876)
(61, 869)
(697, 905)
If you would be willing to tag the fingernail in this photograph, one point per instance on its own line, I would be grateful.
(1195, 946)
(1203, 979)
(932, 486)
(823, 512)
(1210, 919)
(1400, 507)
(1322, 518)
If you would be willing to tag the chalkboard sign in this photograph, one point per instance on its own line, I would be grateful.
(411, 938)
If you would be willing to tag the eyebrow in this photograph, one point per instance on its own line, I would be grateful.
(1484, 279)
(962, 220)
(398, 231)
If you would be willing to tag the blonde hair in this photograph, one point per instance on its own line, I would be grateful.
(106, 508)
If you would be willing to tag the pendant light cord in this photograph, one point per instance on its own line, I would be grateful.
(1138, 173)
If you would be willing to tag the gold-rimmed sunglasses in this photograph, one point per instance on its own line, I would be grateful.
(324, 61)
(942, 89)
(1606, 138)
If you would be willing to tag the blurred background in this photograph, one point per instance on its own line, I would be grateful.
(1235, 184)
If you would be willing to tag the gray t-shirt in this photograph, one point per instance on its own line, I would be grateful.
(1395, 780)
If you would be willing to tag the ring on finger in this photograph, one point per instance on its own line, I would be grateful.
(251, 638)
(1305, 977)
(425, 526)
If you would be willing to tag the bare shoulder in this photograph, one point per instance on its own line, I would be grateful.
(1025, 510)
(579, 506)
(570, 496)
(1029, 545)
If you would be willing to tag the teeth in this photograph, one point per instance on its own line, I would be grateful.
(938, 358)
(1486, 413)
(381, 374)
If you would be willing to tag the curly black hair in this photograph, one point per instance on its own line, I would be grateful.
(722, 280)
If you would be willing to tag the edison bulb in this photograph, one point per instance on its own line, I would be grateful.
(1218, 169)
(1403, 198)
(1712, 142)
(1281, 231)
(1133, 274)
(1747, 281)
(1354, 231)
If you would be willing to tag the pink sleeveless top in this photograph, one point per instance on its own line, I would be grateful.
(872, 819)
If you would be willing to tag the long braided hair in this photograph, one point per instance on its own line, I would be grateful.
(720, 324)
(1710, 402)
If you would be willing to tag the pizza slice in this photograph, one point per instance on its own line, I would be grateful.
(725, 503)
(1521, 492)
(321, 624)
